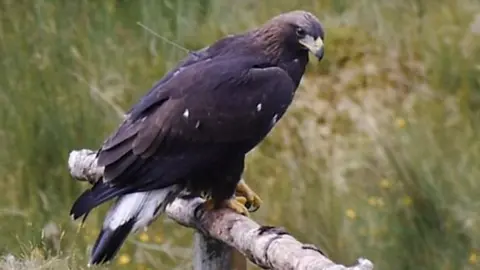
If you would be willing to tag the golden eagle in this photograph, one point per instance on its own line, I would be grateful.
(192, 130)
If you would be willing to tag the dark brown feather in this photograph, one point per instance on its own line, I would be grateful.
(116, 152)
(127, 130)
(120, 166)
(154, 128)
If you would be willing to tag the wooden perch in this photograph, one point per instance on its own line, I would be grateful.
(267, 247)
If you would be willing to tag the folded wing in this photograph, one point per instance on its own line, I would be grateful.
(194, 116)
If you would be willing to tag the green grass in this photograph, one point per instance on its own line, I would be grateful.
(377, 157)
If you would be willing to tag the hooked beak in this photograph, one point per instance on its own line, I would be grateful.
(313, 45)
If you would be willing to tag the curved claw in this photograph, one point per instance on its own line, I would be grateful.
(238, 205)
(253, 202)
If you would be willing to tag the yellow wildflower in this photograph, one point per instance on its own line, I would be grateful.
(400, 122)
(385, 183)
(144, 237)
(473, 258)
(407, 200)
(350, 213)
(124, 259)
(158, 238)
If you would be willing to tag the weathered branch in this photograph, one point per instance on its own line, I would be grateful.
(267, 247)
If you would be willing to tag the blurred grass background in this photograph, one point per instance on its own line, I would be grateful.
(378, 156)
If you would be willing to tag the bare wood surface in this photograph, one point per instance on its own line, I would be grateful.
(219, 230)
(209, 253)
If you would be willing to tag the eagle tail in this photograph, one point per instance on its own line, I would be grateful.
(130, 213)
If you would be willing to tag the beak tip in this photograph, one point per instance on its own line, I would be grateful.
(319, 54)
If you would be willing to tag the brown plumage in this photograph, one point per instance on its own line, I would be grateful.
(192, 130)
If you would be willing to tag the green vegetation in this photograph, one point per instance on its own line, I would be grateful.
(378, 157)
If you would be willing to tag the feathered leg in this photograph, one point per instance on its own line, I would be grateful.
(227, 185)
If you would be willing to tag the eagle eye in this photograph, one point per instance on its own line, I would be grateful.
(300, 32)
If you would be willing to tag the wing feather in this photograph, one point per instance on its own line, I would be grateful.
(155, 97)
(154, 129)
(116, 152)
(126, 131)
(121, 165)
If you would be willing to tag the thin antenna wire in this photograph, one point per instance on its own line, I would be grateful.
(163, 38)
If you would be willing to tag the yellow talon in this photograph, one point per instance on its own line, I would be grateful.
(240, 199)
(252, 199)
(237, 204)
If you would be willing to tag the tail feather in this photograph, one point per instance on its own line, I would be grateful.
(129, 213)
(109, 242)
(91, 198)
